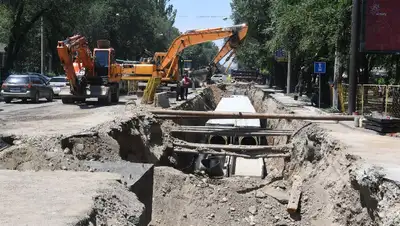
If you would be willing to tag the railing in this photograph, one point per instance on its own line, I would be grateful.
(384, 99)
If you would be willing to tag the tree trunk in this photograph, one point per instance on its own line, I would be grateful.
(336, 76)
(18, 33)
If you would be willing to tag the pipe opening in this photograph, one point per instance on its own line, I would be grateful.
(217, 140)
(248, 141)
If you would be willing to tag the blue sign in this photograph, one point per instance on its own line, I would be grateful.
(319, 67)
(280, 55)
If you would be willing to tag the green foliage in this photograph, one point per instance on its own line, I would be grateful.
(201, 55)
(131, 25)
(309, 29)
(5, 23)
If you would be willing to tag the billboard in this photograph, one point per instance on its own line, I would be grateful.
(380, 26)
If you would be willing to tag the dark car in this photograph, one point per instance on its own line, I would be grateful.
(28, 86)
(47, 78)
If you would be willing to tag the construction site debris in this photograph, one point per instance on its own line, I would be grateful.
(295, 194)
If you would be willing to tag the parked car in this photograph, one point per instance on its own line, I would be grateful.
(47, 78)
(218, 78)
(26, 86)
(56, 83)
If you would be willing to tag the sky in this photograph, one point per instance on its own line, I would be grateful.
(201, 14)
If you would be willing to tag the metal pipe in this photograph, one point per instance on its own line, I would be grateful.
(233, 148)
(234, 132)
(224, 153)
(239, 115)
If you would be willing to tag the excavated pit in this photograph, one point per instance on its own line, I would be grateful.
(336, 190)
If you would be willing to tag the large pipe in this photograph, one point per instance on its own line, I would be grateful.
(248, 141)
(244, 115)
(218, 140)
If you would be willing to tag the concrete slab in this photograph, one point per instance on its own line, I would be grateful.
(239, 103)
(235, 103)
(248, 167)
(162, 100)
(381, 151)
(53, 197)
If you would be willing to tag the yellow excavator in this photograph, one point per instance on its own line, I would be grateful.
(164, 66)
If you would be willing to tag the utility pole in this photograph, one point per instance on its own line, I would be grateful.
(41, 46)
(289, 73)
(354, 56)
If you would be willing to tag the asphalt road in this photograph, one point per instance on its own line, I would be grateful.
(54, 118)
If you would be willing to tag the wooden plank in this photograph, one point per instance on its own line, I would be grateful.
(232, 148)
(225, 153)
(295, 194)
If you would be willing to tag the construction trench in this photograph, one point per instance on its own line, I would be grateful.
(336, 189)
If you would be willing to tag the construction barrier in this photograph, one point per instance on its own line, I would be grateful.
(383, 99)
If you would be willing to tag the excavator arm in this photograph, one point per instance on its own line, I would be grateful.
(75, 46)
(234, 33)
(230, 46)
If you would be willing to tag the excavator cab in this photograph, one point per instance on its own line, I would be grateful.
(101, 62)
(104, 57)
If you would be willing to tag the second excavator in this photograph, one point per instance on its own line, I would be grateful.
(164, 66)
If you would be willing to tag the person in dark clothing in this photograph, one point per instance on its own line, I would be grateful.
(315, 98)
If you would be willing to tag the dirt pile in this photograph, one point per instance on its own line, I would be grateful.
(137, 139)
(184, 199)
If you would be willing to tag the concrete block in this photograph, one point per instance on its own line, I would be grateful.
(162, 100)
(60, 197)
(138, 177)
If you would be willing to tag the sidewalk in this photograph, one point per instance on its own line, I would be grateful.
(381, 151)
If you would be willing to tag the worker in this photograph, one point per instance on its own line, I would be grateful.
(229, 79)
(185, 83)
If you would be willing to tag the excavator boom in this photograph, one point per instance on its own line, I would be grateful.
(194, 37)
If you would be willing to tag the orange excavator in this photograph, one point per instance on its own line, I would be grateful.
(164, 66)
(89, 75)
(98, 74)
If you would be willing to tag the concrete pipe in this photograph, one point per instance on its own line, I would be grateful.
(248, 141)
(218, 140)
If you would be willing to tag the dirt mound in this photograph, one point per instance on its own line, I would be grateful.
(230, 201)
(138, 139)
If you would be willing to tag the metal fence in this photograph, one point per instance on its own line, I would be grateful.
(384, 99)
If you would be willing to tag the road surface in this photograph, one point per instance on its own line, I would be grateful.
(52, 118)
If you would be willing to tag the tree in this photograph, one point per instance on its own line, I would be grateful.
(131, 26)
(201, 55)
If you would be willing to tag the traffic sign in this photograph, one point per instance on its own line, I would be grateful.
(280, 55)
(319, 67)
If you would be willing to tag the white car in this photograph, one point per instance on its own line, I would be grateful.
(56, 83)
(218, 78)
